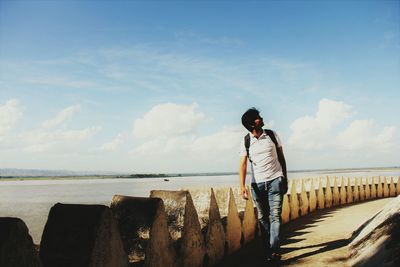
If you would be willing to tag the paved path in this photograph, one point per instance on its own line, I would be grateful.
(318, 239)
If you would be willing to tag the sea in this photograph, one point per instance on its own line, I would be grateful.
(31, 200)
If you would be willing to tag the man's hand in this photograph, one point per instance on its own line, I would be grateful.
(244, 193)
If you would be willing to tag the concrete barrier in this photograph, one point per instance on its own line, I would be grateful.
(349, 191)
(343, 192)
(230, 218)
(392, 188)
(328, 193)
(142, 224)
(398, 186)
(249, 222)
(385, 187)
(303, 200)
(81, 235)
(16, 245)
(320, 195)
(285, 209)
(206, 207)
(362, 191)
(379, 188)
(313, 197)
(184, 226)
(336, 194)
(294, 202)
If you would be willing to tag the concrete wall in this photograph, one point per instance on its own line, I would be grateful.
(191, 227)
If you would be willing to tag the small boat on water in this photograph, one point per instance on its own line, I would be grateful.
(166, 180)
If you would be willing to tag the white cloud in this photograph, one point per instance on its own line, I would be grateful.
(43, 140)
(170, 119)
(364, 135)
(114, 144)
(10, 113)
(315, 132)
(323, 131)
(61, 116)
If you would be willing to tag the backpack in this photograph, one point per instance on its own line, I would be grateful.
(271, 135)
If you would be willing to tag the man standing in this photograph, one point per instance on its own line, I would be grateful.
(263, 149)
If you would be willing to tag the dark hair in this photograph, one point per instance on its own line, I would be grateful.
(249, 117)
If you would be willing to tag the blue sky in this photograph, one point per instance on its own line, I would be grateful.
(143, 86)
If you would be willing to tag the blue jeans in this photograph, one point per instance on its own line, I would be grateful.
(268, 198)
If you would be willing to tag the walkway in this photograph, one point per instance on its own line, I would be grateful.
(318, 239)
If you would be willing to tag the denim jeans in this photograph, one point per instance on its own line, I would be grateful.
(268, 198)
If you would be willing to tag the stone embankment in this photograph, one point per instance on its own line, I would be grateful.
(192, 227)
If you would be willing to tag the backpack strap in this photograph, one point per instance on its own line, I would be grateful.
(247, 145)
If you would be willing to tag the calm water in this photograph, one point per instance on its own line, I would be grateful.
(32, 200)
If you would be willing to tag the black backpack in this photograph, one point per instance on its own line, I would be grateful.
(271, 135)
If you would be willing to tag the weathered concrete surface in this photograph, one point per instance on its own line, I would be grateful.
(81, 235)
(16, 245)
(230, 218)
(211, 224)
(184, 226)
(143, 227)
(377, 242)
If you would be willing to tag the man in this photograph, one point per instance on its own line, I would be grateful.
(269, 178)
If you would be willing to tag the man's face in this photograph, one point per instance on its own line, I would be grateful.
(258, 123)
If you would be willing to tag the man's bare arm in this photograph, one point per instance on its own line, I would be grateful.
(242, 176)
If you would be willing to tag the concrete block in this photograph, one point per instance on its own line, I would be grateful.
(206, 206)
(392, 188)
(304, 205)
(343, 192)
(367, 189)
(142, 224)
(362, 191)
(294, 202)
(398, 186)
(356, 191)
(184, 226)
(320, 195)
(336, 194)
(312, 197)
(285, 209)
(385, 187)
(16, 245)
(249, 222)
(349, 191)
(379, 188)
(231, 221)
(328, 193)
(373, 188)
(81, 235)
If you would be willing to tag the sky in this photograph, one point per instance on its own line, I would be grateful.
(160, 86)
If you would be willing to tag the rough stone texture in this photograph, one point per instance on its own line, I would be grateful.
(343, 193)
(16, 245)
(377, 242)
(321, 196)
(385, 187)
(373, 188)
(294, 202)
(81, 235)
(398, 186)
(184, 226)
(379, 188)
(231, 221)
(303, 200)
(328, 193)
(349, 192)
(312, 197)
(336, 194)
(362, 191)
(249, 222)
(215, 237)
(285, 209)
(367, 189)
(143, 227)
(392, 188)
(210, 222)
(356, 191)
